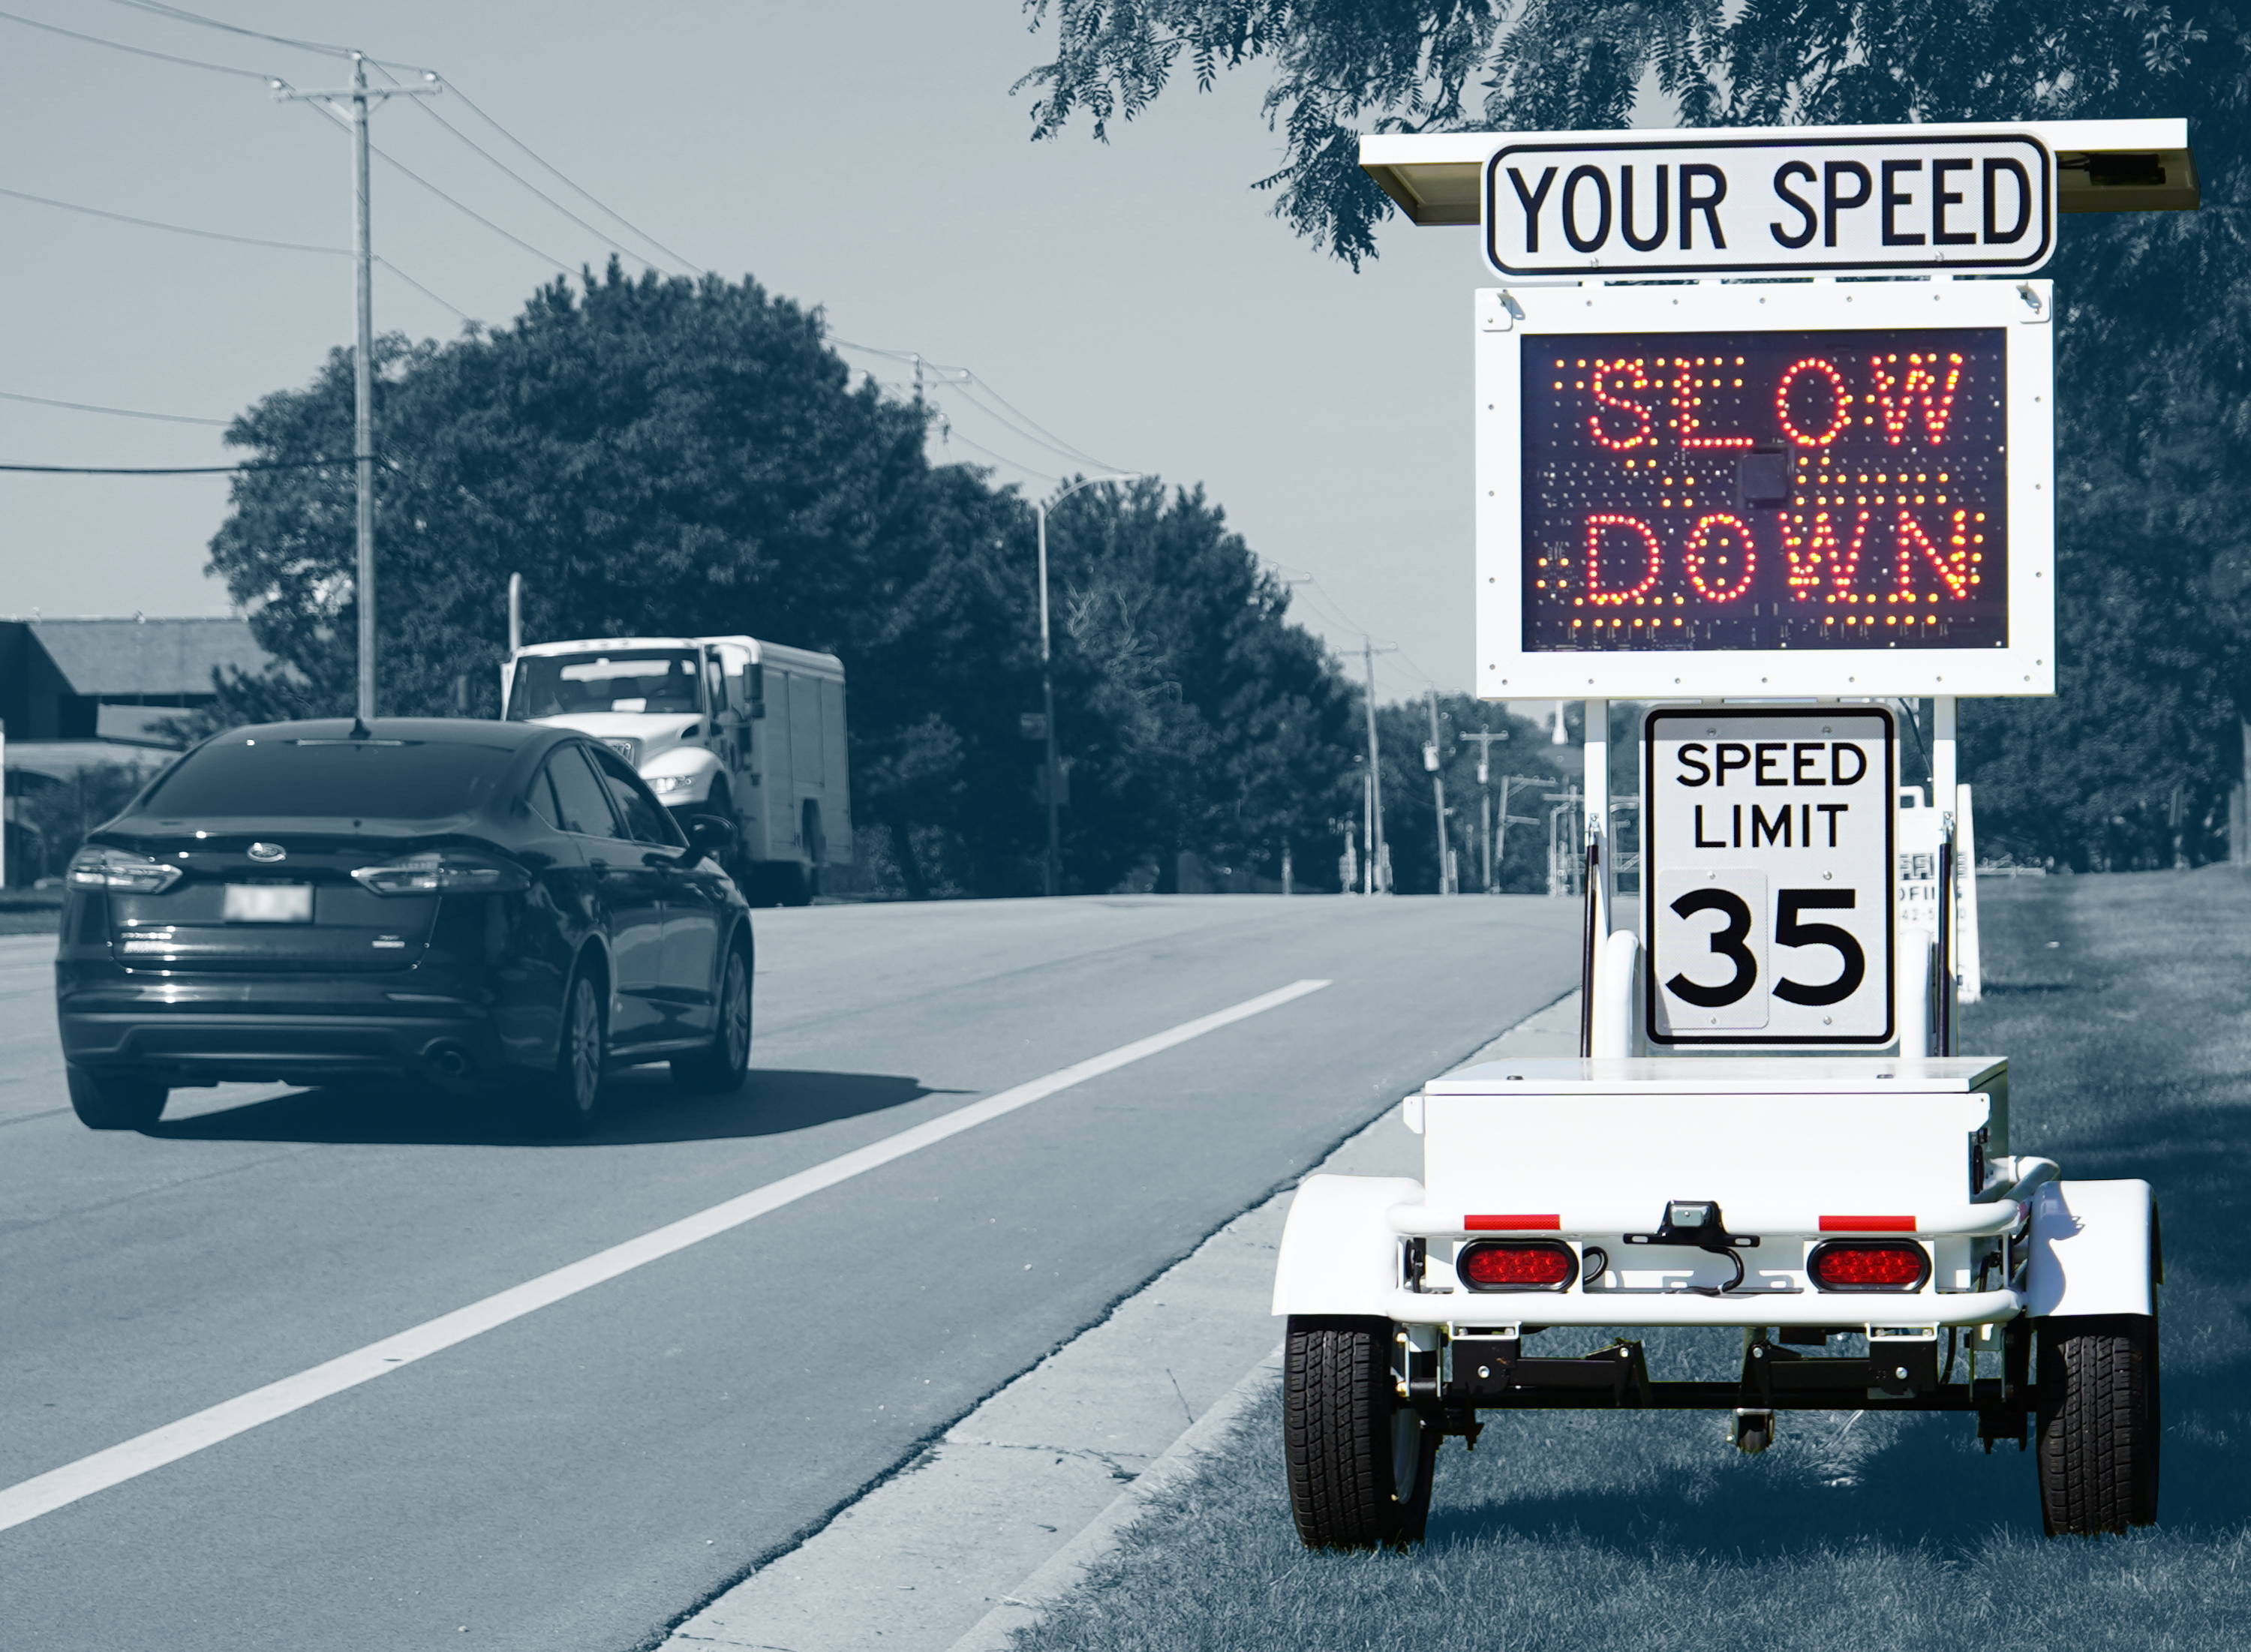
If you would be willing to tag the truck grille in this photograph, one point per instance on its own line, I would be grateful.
(629, 749)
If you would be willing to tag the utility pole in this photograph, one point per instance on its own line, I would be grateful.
(1430, 761)
(1053, 869)
(1485, 737)
(358, 96)
(1375, 881)
(515, 615)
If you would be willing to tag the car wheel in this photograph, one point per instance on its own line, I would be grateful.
(115, 1101)
(718, 1069)
(565, 1099)
(1359, 1460)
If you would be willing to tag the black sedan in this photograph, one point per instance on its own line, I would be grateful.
(490, 906)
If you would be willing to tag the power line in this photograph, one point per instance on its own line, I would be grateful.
(122, 413)
(177, 470)
(178, 14)
(177, 229)
(138, 51)
(685, 263)
(221, 235)
(1001, 459)
(607, 238)
(960, 377)
(408, 172)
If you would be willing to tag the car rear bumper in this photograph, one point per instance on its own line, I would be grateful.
(308, 1049)
(190, 1031)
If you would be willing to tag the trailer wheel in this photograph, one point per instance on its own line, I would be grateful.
(2099, 1424)
(1359, 1460)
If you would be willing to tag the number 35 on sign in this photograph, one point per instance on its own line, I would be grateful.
(1768, 862)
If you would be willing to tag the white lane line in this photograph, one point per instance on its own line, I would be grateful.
(58, 1488)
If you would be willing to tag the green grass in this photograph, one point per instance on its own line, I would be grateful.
(2121, 1004)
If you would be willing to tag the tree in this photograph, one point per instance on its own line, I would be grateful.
(1196, 717)
(665, 458)
(2154, 324)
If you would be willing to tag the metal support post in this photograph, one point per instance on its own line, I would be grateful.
(515, 613)
(1432, 762)
(1596, 756)
(1376, 857)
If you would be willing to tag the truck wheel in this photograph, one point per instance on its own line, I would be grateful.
(1359, 1460)
(2099, 1424)
(114, 1101)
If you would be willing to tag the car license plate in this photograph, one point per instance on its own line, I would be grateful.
(268, 903)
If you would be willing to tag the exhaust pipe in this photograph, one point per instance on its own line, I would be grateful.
(451, 1061)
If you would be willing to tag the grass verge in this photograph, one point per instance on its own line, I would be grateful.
(2121, 1002)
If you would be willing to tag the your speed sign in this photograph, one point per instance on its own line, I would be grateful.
(1768, 865)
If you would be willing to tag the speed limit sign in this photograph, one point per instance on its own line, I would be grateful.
(1768, 865)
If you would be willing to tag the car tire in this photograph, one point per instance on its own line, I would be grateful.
(1359, 1460)
(2099, 1424)
(718, 1067)
(115, 1101)
(565, 1099)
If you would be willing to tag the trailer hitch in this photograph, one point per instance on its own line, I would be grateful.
(1698, 1224)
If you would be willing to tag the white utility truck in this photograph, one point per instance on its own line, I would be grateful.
(1769, 509)
(748, 731)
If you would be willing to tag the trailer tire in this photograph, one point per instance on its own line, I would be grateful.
(2100, 1423)
(1358, 1459)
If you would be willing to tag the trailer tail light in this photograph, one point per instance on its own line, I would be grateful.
(1869, 1264)
(1495, 1264)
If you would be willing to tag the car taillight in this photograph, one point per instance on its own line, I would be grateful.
(1862, 1264)
(1491, 1264)
(96, 867)
(440, 873)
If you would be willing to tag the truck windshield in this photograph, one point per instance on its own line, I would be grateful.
(622, 679)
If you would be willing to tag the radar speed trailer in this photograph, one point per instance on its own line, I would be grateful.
(1766, 506)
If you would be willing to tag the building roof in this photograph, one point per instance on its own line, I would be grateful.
(130, 657)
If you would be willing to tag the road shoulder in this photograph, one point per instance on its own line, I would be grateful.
(1005, 1510)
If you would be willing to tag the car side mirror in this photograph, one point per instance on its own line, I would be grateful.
(711, 834)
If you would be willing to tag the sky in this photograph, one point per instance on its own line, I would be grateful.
(1135, 300)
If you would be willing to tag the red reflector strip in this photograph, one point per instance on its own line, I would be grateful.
(1867, 1224)
(1512, 1223)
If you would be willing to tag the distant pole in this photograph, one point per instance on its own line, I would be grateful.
(1286, 889)
(1485, 737)
(1376, 857)
(515, 615)
(1431, 761)
(1052, 872)
(1561, 736)
(358, 96)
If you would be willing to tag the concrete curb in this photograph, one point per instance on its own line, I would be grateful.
(1069, 1566)
(972, 1532)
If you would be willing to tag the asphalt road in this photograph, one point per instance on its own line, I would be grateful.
(581, 1475)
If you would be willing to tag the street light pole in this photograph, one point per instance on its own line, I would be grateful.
(1053, 879)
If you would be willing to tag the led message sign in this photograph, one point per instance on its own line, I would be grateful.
(1766, 489)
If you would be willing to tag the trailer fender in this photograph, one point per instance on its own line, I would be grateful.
(1340, 1255)
(2093, 1249)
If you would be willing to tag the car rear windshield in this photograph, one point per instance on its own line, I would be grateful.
(322, 780)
